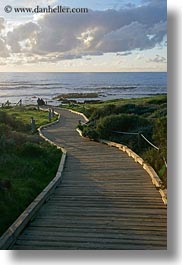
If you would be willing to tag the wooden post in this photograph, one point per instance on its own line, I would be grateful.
(138, 142)
(33, 126)
(52, 112)
(49, 114)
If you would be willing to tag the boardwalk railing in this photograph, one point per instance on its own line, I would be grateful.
(11, 234)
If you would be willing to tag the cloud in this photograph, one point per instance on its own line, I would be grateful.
(123, 54)
(3, 48)
(130, 5)
(158, 31)
(139, 57)
(70, 36)
(2, 26)
(127, 38)
(23, 34)
(157, 59)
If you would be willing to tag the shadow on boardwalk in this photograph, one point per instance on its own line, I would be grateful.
(106, 200)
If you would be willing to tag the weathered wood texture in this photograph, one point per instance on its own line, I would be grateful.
(106, 200)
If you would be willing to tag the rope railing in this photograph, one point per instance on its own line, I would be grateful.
(165, 162)
(157, 148)
(140, 134)
(154, 146)
(125, 133)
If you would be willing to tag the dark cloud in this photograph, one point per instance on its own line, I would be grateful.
(128, 38)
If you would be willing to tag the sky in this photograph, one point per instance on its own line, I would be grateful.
(114, 36)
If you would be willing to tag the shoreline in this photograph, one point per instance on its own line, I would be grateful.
(78, 99)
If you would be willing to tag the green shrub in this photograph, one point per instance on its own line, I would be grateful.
(13, 123)
(31, 149)
(158, 100)
(122, 122)
(4, 129)
(129, 108)
(90, 132)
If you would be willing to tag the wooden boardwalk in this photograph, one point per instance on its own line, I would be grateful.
(106, 200)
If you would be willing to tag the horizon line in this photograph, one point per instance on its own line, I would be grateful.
(84, 72)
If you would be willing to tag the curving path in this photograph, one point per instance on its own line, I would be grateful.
(106, 200)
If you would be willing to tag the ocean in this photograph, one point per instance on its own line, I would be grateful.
(30, 86)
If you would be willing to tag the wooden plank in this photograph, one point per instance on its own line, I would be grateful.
(109, 233)
(101, 230)
(85, 245)
(122, 227)
(93, 238)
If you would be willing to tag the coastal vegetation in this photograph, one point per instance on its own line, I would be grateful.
(76, 95)
(126, 121)
(69, 98)
(27, 163)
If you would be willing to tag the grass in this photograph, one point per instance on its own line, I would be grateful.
(27, 163)
(24, 114)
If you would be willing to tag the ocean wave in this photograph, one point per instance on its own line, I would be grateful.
(19, 87)
(118, 87)
(98, 88)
